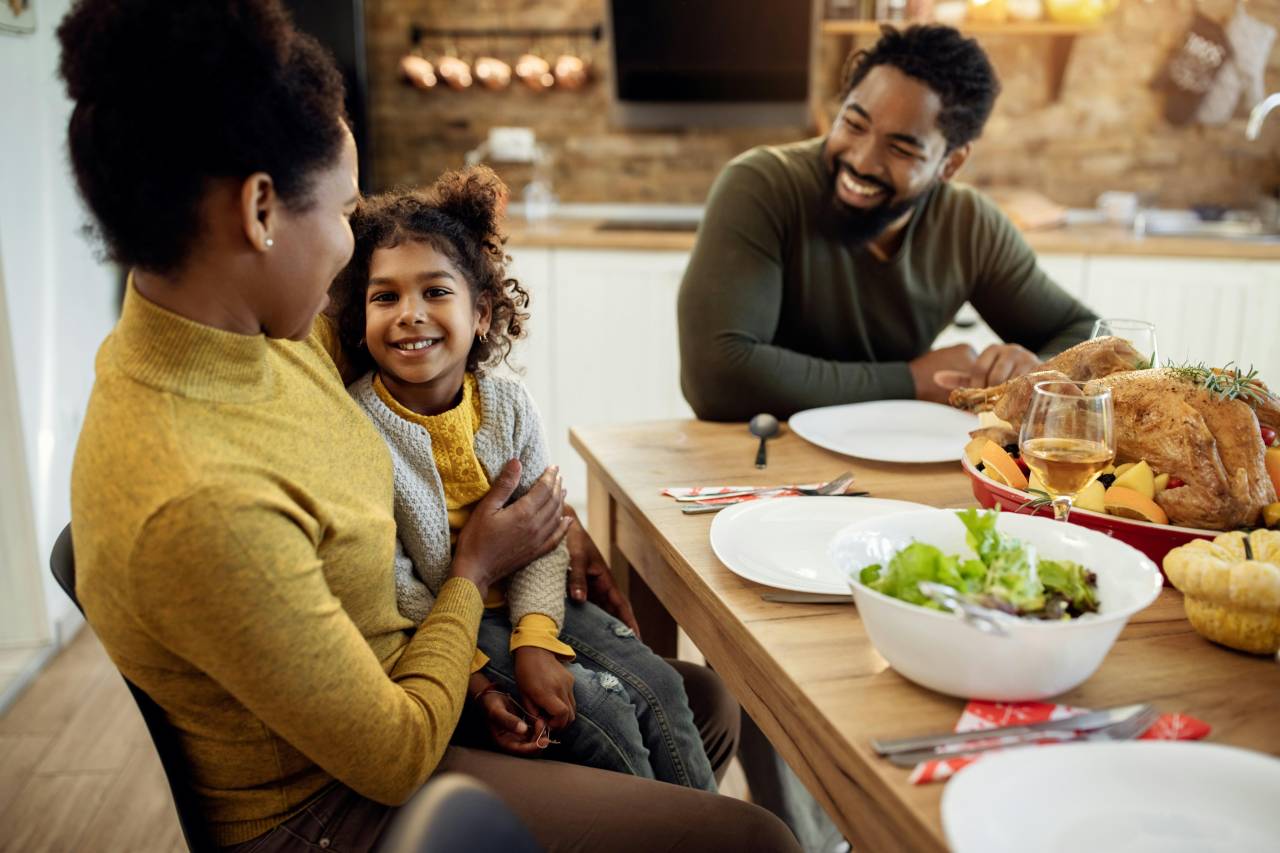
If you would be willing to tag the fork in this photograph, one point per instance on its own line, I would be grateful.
(835, 488)
(1123, 730)
(832, 487)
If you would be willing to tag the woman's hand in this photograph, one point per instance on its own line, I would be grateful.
(499, 539)
(546, 687)
(509, 732)
(589, 576)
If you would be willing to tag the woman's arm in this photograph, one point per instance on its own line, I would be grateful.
(259, 618)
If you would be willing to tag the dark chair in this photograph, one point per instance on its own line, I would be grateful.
(454, 812)
(62, 562)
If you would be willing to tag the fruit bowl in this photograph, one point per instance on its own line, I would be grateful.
(1154, 540)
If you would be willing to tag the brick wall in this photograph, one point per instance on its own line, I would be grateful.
(1105, 132)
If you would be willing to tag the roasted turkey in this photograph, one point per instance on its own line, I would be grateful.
(1176, 424)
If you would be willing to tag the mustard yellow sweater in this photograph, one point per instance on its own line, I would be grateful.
(234, 539)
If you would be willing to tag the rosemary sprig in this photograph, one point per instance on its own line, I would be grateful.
(1229, 383)
(1041, 499)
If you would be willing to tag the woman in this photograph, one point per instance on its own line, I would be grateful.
(232, 507)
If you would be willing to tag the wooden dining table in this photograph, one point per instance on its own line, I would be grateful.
(808, 674)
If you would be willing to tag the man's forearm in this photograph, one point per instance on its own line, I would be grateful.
(732, 380)
(1073, 334)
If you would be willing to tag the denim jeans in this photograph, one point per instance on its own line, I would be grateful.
(632, 712)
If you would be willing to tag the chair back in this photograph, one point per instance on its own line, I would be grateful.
(176, 770)
(453, 812)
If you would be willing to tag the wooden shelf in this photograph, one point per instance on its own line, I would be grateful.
(1011, 28)
(1061, 39)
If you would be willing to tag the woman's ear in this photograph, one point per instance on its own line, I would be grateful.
(954, 160)
(259, 210)
(484, 316)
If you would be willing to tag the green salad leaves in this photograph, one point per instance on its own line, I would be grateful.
(1006, 574)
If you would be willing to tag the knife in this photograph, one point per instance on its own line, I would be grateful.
(925, 747)
(806, 598)
(702, 509)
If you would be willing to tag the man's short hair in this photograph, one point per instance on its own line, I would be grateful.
(954, 67)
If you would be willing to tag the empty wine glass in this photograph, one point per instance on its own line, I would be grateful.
(1137, 332)
(1067, 437)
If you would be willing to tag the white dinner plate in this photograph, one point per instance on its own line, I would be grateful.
(888, 430)
(782, 542)
(1138, 797)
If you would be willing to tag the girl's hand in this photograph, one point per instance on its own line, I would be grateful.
(545, 686)
(499, 539)
(509, 732)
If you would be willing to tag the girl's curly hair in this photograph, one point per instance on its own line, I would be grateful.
(458, 216)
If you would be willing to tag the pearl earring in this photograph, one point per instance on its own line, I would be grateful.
(269, 242)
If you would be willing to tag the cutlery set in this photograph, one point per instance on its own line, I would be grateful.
(833, 488)
(1124, 722)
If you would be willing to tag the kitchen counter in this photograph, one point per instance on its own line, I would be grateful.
(585, 233)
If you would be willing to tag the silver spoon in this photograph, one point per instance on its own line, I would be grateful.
(763, 427)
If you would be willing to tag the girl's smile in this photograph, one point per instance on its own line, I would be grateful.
(420, 323)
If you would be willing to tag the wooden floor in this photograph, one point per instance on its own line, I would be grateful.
(77, 768)
(78, 771)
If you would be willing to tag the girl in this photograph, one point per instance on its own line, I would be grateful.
(425, 307)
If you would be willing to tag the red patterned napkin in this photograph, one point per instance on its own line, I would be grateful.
(702, 495)
(989, 715)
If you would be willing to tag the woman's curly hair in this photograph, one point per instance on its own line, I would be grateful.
(458, 216)
(167, 96)
(953, 66)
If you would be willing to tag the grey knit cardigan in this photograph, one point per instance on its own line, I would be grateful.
(509, 429)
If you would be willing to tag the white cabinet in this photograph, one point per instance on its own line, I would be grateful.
(602, 344)
(530, 359)
(1201, 308)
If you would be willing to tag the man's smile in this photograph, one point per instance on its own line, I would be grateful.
(857, 191)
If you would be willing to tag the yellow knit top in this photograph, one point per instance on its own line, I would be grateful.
(453, 449)
(234, 540)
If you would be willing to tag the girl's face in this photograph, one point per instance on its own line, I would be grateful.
(420, 323)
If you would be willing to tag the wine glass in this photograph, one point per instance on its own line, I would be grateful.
(1067, 437)
(1137, 332)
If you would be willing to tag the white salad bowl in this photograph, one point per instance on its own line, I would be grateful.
(1036, 659)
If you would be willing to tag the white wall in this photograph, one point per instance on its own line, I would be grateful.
(60, 296)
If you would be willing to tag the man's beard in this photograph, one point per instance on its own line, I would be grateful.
(859, 226)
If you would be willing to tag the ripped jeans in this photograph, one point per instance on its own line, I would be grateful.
(632, 712)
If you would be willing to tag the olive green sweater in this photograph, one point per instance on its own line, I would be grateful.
(778, 312)
(234, 540)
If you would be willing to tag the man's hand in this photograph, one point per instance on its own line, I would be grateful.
(924, 370)
(507, 730)
(546, 687)
(589, 576)
(996, 365)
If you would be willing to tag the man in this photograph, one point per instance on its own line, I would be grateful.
(825, 269)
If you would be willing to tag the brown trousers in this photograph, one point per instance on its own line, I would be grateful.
(568, 807)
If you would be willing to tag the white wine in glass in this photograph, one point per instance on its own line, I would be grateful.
(1140, 333)
(1067, 437)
